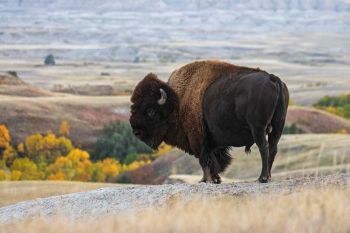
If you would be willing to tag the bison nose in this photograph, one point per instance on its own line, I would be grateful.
(137, 132)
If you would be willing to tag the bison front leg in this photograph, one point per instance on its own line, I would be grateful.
(216, 179)
(210, 167)
(204, 162)
(206, 176)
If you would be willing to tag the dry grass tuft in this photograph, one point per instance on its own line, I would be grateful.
(323, 210)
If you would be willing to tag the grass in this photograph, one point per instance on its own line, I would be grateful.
(310, 210)
(15, 191)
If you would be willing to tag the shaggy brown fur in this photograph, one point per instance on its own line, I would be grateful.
(189, 83)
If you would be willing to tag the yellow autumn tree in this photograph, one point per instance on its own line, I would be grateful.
(27, 168)
(135, 164)
(64, 128)
(9, 155)
(3, 164)
(163, 149)
(110, 168)
(5, 138)
(335, 110)
(20, 148)
(56, 176)
(106, 170)
(15, 175)
(96, 172)
(7, 152)
(75, 166)
(47, 147)
(2, 175)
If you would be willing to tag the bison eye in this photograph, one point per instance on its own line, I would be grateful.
(151, 112)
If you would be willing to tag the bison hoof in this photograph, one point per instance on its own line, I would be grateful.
(263, 179)
(208, 181)
(216, 179)
(203, 181)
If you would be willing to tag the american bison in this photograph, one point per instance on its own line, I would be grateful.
(206, 107)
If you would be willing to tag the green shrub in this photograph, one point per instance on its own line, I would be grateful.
(292, 129)
(123, 179)
(49, 60)
(338, 105)
(118, 141)
(130, 158)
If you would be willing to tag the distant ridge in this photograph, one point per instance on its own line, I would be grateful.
(184, 5)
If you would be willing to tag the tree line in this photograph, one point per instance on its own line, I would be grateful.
(54, 157)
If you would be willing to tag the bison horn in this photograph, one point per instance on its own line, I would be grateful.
(163, 97)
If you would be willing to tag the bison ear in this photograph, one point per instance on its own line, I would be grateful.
(163, 97)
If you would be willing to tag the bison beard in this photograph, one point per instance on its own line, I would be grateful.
(207, 107)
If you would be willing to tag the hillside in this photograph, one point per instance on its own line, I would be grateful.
(27, 109)
(11, 78)
(86, 115)
(312, 120)
(11, 84)
(298, 156)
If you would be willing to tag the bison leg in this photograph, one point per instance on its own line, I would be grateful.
(206, 176)
(274, 138)
(216, 179)
(272, 155)
(209, 174)
(210, 165)
(260, 140)
(220, 160)
(204, 162)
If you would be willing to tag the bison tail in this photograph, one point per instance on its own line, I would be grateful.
(223, 157)
(279, 116)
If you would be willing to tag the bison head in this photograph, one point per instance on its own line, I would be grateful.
(153, 101)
